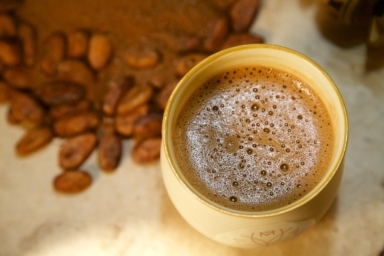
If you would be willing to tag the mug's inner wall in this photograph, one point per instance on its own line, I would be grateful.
(268, 56)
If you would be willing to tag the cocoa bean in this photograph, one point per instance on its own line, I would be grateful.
(224, 4)
(5, 92)
(99, 52)
(147, 151)
(116, 91)
(60, 92)
(148, 126)
(7, 26)
(216, 32)
(62, 110)
(188, 43)
(164, 95)
(18, 77)
(142, 57)
(9, 5)
(124, 124)
(11, 117)
(34, 140)
(109, 152)
(179, 43)
(27, 35)
(106, 126)
(78, 44)
(157, 81)
(72, 181)
(134, 97)
(240, 39)
(242, 14)
(187, 62)
(26, 109)
(71, 125)
(10, 52)
(76, 71)
(76, 150)
(54, 48)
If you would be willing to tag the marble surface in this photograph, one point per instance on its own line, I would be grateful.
(129, 213)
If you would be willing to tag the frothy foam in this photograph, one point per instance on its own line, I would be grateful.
(253, 139)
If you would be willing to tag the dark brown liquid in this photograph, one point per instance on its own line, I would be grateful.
(253, 139)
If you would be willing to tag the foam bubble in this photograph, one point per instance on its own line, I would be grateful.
(284, 167)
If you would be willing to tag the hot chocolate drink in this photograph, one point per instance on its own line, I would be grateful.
(253, 139)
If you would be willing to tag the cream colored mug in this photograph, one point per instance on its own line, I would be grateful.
(243, 228)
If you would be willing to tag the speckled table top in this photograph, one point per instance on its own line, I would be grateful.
(129, 212)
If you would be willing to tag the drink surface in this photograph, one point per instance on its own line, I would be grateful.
(253, 139)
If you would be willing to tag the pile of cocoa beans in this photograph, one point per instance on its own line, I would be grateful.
(129, 109)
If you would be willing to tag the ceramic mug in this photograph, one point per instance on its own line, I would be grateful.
(244, 228)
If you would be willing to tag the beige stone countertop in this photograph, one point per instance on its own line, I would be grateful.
(129, 213)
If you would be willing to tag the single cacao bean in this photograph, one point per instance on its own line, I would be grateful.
(10, 52)
(147, 151)
(18, 77)
(242, 14)
(187, 62)
(60, 92)
(165, 93)
(26, 109)
(71, 182)
(78, 44)
(106, 126)
(5, 92)
(179, 43)
(33, 140)
(27, 35)
(99, 52)
(224, 4)
(7, 25)
(109, 152)
(76, 71)
(134, 97)
(54, 48)
(148, 126)
(240, 39)
(157, 81)
(142, 57)
(216, 32)
(62, 110)
(11, 117)
(76, 150)
(71, 125)
(188, 43)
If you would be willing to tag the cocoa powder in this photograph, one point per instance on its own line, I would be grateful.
(74, 72)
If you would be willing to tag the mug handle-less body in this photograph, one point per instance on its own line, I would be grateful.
(252, 229)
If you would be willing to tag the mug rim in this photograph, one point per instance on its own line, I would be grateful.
(252, 214)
